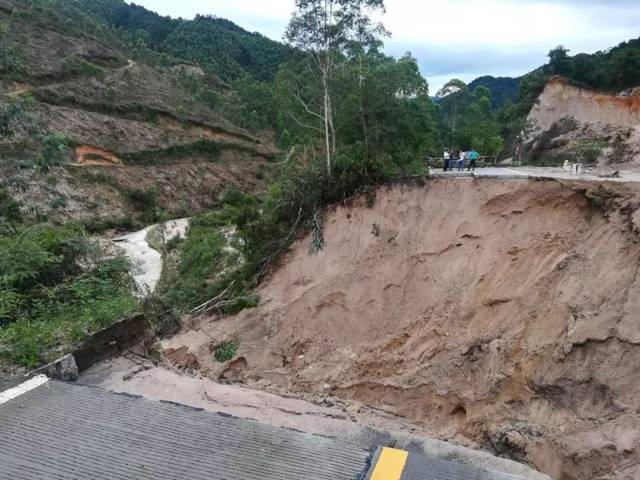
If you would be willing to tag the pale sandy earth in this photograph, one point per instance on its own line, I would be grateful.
(560, 100)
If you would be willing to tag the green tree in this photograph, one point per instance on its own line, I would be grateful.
(625, 68)
(454, 97)
(559, 60)
(478, 125)
(53, 151)
(322, 28)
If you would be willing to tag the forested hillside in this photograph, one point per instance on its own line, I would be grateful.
(611, 70)
(218, 45)
(503, 89)
(113, 117)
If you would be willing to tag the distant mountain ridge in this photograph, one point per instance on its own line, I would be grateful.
(503, 89)
(218, 45)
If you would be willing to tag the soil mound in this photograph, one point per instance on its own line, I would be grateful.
(494, 313)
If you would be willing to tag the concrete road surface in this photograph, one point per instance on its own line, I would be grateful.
(53, 430)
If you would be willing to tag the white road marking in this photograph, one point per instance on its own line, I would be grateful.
(15, 392)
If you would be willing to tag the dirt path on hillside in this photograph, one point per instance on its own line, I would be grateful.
(147, 261)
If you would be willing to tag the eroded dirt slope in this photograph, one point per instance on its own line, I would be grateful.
(97, 194)
(560, 99)
(583, 125)
(495, 313)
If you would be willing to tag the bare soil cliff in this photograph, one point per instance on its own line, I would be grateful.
(560, 99)
(499, 314)
(578, 124)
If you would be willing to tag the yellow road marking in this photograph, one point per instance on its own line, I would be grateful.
(390, 464)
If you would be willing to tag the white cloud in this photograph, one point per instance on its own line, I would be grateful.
(447, 36)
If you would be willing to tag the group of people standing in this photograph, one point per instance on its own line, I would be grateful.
(458, 159)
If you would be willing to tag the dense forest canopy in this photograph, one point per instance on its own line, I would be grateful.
(611, 70)
(218, 45)
(503, 89)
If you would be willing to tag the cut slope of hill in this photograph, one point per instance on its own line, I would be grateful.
(503, 317)
(583, 125)
(610, 71)
(82, 100)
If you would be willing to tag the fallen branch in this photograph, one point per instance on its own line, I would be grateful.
(205, 306)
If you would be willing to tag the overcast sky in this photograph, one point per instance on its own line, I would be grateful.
(457, 38)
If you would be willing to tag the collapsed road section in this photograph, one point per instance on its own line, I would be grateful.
(497, 313)
(61, 431)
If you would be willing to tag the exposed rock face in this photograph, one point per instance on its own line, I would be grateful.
(501, 314)
(577, 124)
(560, 99)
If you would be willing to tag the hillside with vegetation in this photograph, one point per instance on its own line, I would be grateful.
(218, 45)
(76, 95)
(113, 117)
(503, 89)
(103, 128)
(610, 71)
(97, 134)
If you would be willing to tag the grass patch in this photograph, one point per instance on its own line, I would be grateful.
(208, 258)
(589, 150)
(209, 149)
(75, 66)
(145, 202)
(56, 288)
(58, 202)
(100, 225)
(226, 350)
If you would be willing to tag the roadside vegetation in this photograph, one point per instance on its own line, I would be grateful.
(56, 287)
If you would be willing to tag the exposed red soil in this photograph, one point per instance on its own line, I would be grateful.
(87, 155)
